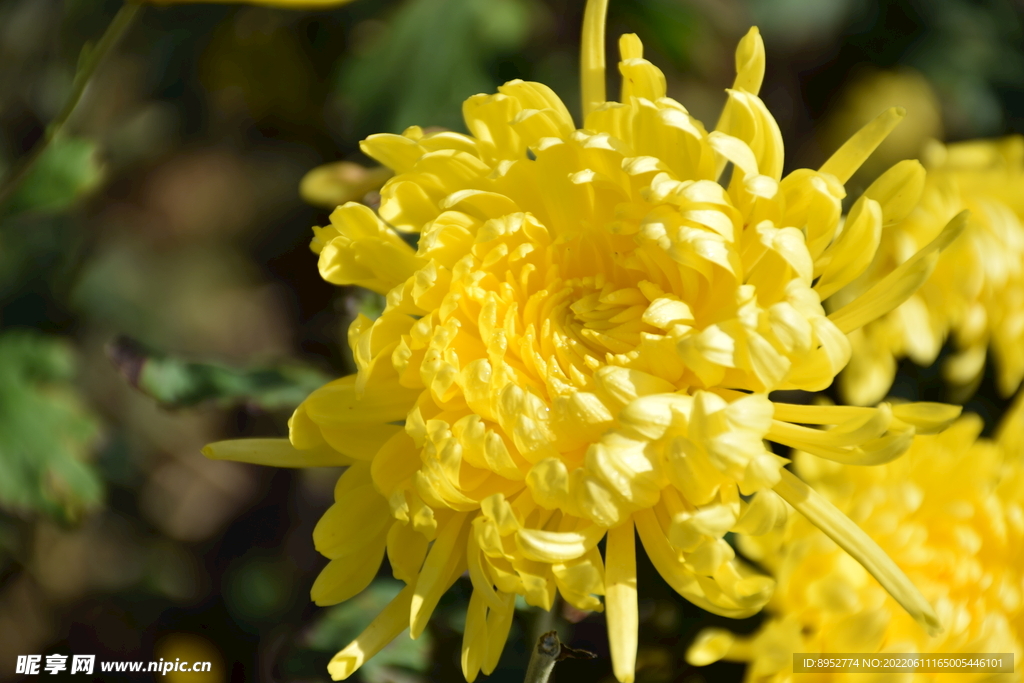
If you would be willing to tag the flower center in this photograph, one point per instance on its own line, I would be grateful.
(603, 317)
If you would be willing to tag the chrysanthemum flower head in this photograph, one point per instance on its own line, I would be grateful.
(950, 512)
(975, 296)
(581, 347)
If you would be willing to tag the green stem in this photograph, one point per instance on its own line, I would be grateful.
(90, 63)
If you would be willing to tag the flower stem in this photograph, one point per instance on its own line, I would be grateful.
(543, 659)
(549, 651)
(90, 62)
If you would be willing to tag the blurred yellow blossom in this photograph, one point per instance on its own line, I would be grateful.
(582, 345)
(339, 182)
(871, 89)
(975, 296)
(950, 512)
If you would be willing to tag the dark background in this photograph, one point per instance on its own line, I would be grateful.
(177, 221)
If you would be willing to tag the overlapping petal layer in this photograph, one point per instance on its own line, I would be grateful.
(951, 512)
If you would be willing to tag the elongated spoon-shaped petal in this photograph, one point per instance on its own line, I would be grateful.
(620, 600)
(853, 540)
(592, 85)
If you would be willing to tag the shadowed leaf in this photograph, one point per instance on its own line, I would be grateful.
(175, 383)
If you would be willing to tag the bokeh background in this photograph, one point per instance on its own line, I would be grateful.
(157, 292)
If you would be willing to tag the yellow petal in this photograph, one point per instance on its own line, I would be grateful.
(898, 190)
(397, 152)
(620, 600)
(859, 545)
(705, 594)
(846, 258)
(556, 546)
(275, 453)
(487, 118)
(592, 85)
(339, 404)
(534, 95)
(875, 451)
(927, 418)
(640, 78)
(872, 368)
(439, 571)
(860, 427)
(334, 184)
(474, 637)
(358, 517)
(766, 511)
(499, 623)
(396, 462)
(897, 286)
(357, 248)
(346, 577)
(579, 581)
(478, 575)
(619, 386)
(750, 62)
(819, 415)
(746, 117)
(689, 529)
(710, 646)
(392, 620)
(407, 549)
(845, 161)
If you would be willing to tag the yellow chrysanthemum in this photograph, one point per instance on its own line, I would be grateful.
(976, 293)
(582, 344)
(950, 512)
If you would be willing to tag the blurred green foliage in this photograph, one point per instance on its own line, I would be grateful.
(46, 432)
(419, 64)
(259, 588)
(66, 171)
(971, 51)
(371, 304)
(175, 383)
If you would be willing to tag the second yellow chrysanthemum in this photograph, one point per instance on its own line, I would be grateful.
(975, 297)
(951, 512)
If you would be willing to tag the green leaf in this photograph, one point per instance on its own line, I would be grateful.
(342, 623)
(46, 433)
(176, 383)
(67, 170)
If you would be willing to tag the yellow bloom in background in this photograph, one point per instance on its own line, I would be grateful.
(869, 90)
(339, 182)
(950, 512)
(975, 296)
(583, 343)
